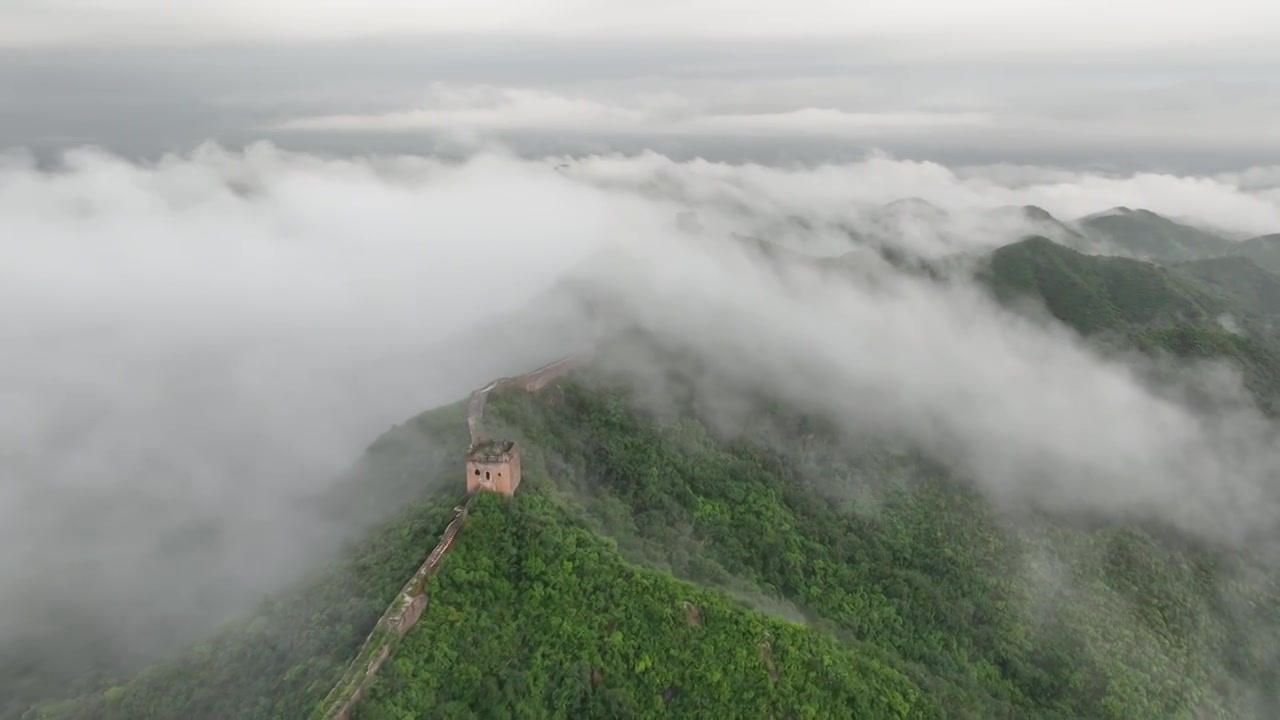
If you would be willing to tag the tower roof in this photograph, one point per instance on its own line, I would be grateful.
(490, 450)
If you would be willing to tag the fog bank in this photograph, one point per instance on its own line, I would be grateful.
(202, 341)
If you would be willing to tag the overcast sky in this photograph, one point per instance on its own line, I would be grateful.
(1043, 24)
(1184, 85)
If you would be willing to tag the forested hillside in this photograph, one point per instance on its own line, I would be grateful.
(909, 569)
(1264, 250)
(1245, 283)
(1148, 235)
(655, 564)
(1220, 309)
(536, 615)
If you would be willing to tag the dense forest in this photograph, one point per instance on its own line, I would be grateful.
(917, 577)
(653, 564)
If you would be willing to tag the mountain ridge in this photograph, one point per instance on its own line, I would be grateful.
(872, 569)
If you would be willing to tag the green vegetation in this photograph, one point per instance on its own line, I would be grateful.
(917, 578)
(651, 567)
(537, 616)
(1147, 235)
(1240, 280)
(1092, 293)
(1130, 303)
(383, 639)
(283, 660)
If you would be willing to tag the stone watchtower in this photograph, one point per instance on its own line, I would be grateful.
(493, 465)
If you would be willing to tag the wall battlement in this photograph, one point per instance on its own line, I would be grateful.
(403, 613)
(492, 465)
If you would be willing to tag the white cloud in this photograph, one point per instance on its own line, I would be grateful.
(694, 111)
(495, 109)
(1027, 412)
(200, 342)
(219, 335)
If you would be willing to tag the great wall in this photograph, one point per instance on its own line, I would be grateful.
(411, 602)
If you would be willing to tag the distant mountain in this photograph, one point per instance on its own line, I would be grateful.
(913, 207)
(1041, 222)
(913, 225)
(1179, 311)
(1147, 235)
(1264, 250)
(906, 212)
(1093, 293)
(1144, 234)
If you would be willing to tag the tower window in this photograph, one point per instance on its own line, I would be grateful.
(477, 472)
(486, 475)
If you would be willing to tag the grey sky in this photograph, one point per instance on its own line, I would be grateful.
(1012, 24)
(1188, 86)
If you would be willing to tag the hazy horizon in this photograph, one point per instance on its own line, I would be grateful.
(1093, 85)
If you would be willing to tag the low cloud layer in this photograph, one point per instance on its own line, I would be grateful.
(846, 193)
(840, 109)
(1026, 411)
(770, 100)
(201, 345)
(202, 341)
(490, 109)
